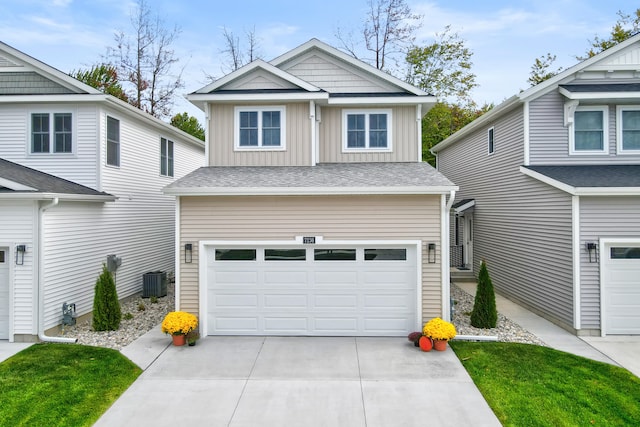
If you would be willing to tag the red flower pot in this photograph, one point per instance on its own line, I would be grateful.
(440, 345)
(178, 340)
(425, 343)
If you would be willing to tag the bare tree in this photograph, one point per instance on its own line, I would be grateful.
(146, 60)
(388, 31)
(235, 56)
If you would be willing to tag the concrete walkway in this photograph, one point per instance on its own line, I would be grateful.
(295, 381)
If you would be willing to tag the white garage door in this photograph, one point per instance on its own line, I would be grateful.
(621, 284)
(325, 291)
(4, 293)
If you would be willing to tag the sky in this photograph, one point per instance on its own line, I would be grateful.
(504, 36)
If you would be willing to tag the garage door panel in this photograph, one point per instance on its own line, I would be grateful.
(238, 301)
(234, 324)
(235, 277)
(337, 302)
(621, 286)
(389, 302)
(340, 325)
(335, 278)
(396, 277)
(386, 325)
(288, 301)
(283, 278)
(286, 324)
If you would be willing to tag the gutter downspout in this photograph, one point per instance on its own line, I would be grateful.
(40, 286)
(445, 261)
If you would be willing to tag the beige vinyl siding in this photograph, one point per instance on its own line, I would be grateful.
(404, 138)
(612, 217)
(18, 226)
(333, 217)
(549, 138)
(522, 228)
(298, 139)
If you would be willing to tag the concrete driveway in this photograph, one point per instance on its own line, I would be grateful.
(300, 381)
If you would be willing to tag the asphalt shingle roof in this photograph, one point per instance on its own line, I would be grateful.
(334, 175)
(41, 182)
(592, 175)
(602, 87)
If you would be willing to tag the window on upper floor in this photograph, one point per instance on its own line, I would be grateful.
(166, 157)
(628, 122)
(490, 144)
(366, 130)
(113, 141)
(51, 133)
(589, 135)
(259, 128)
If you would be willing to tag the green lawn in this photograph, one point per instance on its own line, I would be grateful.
(62, 384)
(529, 385)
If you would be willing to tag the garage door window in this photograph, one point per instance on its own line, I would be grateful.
(285, 254)
(385, 254)
(235, 254)
(334, 255)
(625, 253)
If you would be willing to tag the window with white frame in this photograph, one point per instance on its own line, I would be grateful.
(628, 125)
(113, 141)
(589, 134)
(51, 133)
(259, 128)
(490, 144)
(166, 157)
(366, 130)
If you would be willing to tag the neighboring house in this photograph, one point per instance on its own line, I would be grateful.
(314, 214)
(81, 175)
(550, 194)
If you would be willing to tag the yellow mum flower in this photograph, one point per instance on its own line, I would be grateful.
(439, 329)
(179, 323)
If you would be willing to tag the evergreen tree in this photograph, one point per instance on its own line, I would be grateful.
(106, 307)
(484, 314)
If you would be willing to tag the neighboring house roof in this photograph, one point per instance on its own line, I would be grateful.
(597, 62)
(334, 178)
(589, 179)
(463, 206)
(17, 181)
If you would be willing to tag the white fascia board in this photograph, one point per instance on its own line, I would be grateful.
(31, 99)
(307, 191)
(15, 186)
(582, 191)
(249, 97)
(258, 63)
(51, 196)
(466, 206)
(612, 96)
(384, 100)
(315, 43)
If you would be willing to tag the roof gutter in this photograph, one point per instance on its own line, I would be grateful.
(304, 191)
(445, 262)
(40, 284)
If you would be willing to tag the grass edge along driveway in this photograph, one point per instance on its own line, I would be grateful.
(530, 385)
(62, 384)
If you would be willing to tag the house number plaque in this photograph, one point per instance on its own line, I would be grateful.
(309, 240)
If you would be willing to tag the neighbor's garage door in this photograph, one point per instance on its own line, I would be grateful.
(4, 293)
(335, 291)
(621, 282)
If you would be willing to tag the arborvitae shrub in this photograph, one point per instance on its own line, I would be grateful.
(106, 307)
(484, 314)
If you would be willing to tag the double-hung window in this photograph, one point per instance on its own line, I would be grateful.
(113, 141)
(260, 128)
(628, 125)
(367, 130)
(166, 157)
(590, 135)
(51, 133)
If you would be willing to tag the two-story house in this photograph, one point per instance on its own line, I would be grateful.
(550, 194)
(314, 214)
(81, 175)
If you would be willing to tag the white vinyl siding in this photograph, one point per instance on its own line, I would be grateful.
(332, 217)
(522, 227)
(602, 217)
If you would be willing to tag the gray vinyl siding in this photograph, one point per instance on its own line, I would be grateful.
(522, 228)
(298, 139)
(404, 134)
(613, 217)
(29, 83)
(549, 138)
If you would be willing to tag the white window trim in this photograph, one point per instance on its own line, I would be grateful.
(51, 113)
(367, 149)
(620, 147)
(236, 128)
(605, 131)
(167, 175)
(491, 141)
(106, 142)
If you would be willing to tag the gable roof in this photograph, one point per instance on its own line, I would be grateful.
(538, 90)
(323, 179)
(17, 181)
(589, 179)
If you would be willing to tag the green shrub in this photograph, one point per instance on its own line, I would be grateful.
(106, 308)
(484, 314)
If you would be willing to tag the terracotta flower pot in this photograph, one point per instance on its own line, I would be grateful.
(178, 340)
(440, 345)
(425, 343)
